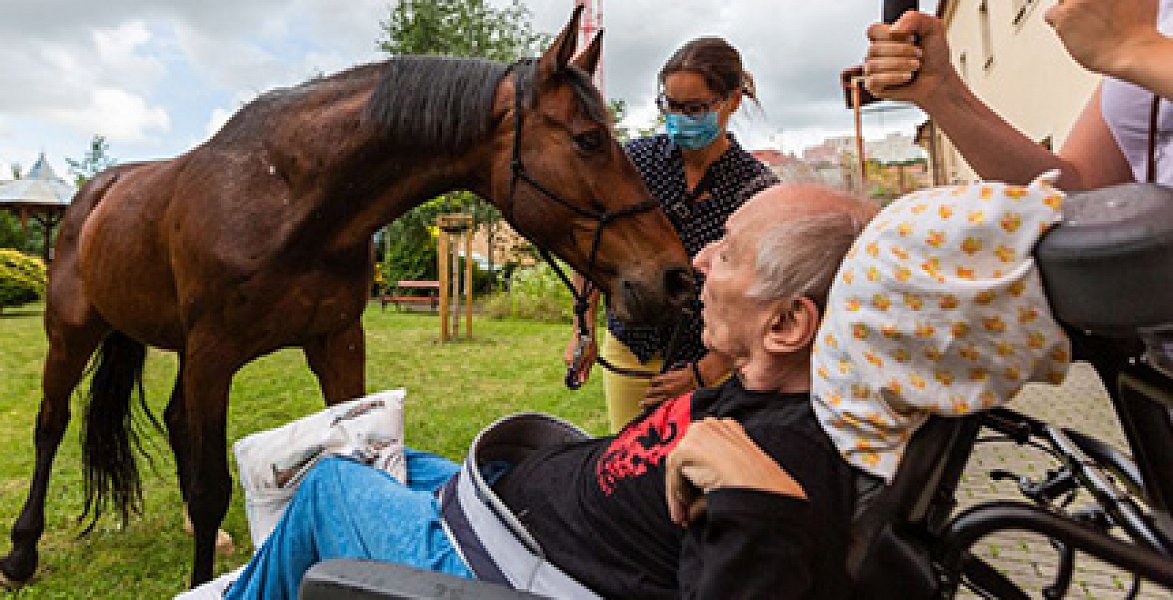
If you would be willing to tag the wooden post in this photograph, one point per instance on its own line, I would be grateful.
(468, 282)
(443, 256)
(856, 94)
(453, 286)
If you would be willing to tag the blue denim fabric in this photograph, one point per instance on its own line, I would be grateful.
(346, 510)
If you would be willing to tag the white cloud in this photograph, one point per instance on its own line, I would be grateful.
(123, 54)
(216, 120)
(119, 115)
(99, 66)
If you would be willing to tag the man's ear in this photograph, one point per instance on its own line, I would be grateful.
(792, 325)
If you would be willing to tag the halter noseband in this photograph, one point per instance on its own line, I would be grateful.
(581, 297)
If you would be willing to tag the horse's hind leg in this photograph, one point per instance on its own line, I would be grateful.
(70, 347)
(338, 359)
(175, 417)
(177, 435)
(211, 359)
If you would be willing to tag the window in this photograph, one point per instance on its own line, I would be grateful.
(963, 66)
(987, 41)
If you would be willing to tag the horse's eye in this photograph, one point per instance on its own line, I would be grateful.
(590, 141)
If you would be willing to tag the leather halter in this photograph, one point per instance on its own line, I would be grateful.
(581, 297)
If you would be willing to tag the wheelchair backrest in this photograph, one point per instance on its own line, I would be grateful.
(888, 555)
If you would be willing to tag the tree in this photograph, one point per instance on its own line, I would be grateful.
(624, 134)
(11, 233)
(96, 160)
(468, 28)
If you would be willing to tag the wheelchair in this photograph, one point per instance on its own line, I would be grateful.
(1108, 272)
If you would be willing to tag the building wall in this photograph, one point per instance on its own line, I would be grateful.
(1014, 62)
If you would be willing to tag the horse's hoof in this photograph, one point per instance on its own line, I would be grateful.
(16, 570)
(224, 545)
(6, 583)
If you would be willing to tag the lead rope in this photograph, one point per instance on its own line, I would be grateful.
(1151, 174)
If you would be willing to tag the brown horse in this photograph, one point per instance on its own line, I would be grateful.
(260, 239)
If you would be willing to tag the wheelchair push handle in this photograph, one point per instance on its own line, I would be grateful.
(894, 9)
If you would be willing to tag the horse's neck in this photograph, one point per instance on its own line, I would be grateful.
(362, 195)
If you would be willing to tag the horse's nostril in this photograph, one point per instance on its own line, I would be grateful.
(679, 285)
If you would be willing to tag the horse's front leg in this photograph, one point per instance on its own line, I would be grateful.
(207, 376)
(338, 359)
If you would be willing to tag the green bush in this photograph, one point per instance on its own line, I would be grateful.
(535, 293)
(22, 278)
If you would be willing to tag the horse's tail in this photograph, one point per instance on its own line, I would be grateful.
(110, 436)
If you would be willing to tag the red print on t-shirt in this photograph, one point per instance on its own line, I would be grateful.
(644, 443)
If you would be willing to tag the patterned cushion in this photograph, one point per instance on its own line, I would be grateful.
(937, 309)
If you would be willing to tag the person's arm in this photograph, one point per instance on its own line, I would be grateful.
(756, 536)
(752, 544)
(899, 69)
(587, 359)
(711, 367)
(1118, 38)
(715, 454)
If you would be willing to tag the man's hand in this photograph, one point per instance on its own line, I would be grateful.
(584, 361)
(717, 453)
(908, 60)
(1106, 36)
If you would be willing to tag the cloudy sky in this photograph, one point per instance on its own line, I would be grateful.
(158, 77)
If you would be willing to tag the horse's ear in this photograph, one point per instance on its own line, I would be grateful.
(588, 60)
(558, 55)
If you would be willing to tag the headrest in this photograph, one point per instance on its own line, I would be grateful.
(937, 309)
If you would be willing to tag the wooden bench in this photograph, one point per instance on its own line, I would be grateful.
(400, 293)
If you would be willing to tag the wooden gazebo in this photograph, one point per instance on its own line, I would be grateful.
(40, 194)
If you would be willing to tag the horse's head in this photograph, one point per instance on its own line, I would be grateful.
(561, 178)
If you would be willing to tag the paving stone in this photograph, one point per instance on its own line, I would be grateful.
(1082, 404)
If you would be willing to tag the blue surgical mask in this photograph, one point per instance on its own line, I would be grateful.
(692, 133)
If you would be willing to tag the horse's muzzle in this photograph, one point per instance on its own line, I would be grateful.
(641, 304)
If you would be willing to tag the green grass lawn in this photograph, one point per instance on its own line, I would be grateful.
(452, 390)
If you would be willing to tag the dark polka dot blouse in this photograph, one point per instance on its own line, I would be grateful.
(735, 176)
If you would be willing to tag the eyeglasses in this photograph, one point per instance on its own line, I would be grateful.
(691, 108)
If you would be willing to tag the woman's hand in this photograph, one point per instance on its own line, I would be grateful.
(717, 453)
(908, 60)
(668, 385)
(584, 361)
(1107, 36)
(712, 367)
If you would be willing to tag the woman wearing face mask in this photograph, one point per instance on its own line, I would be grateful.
(700, 175)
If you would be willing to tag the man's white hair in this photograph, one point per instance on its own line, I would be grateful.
(800, 256)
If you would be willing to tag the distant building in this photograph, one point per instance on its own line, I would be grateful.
(40, 194)
(1014, 62)
(508, 246)
(894, 148)
(830, 151)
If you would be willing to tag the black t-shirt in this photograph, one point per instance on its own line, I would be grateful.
(598, 509)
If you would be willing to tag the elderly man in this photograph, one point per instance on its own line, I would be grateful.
(615, 513)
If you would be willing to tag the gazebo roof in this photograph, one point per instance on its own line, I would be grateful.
(41, 187)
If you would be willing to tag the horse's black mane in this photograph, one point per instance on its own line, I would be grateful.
(444, 104)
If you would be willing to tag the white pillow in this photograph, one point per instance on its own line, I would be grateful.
(272, 463)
